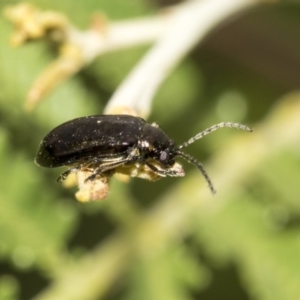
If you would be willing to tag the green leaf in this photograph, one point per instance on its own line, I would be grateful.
(34, 226)
(166, 274)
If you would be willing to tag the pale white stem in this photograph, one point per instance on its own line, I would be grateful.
(118, 35)
(189, 23)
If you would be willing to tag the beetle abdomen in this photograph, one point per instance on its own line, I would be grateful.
(93, 136)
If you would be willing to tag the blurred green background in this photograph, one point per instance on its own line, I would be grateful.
(170, 239)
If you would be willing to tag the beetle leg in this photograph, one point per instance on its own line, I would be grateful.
(154, 169)
(160, 172)
(175, 170)
(108, 166)
(64, 175)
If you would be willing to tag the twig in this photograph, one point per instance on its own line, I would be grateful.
(177, 30)
(78, 48)
(189, 24)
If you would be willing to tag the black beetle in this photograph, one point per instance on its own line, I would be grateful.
(105, 144)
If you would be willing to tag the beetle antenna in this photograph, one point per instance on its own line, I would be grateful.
(192, 160)
(214, 128)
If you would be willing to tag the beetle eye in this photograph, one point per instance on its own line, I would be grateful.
(164, 156)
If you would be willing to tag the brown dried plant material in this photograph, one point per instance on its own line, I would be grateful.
(66, 65)
(31, 23)
(92, 190)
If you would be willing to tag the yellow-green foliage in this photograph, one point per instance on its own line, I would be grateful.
(169, 240)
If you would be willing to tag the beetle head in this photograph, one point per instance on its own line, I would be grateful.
(156, 145)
